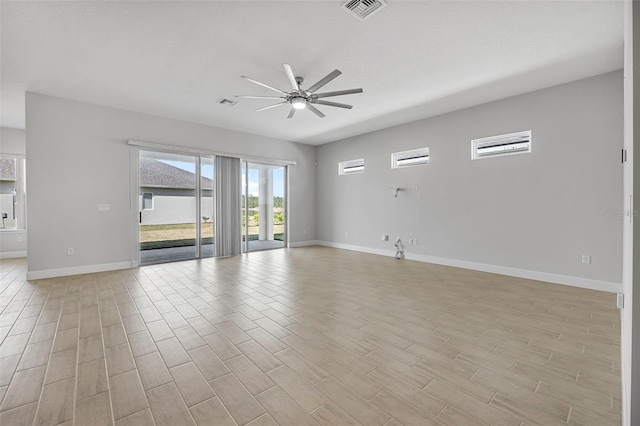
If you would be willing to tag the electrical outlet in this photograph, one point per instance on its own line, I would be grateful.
(415, 241)
(346, 234)
(19, 239)
(71, 251)
(415, 188)
(620, 300)
(586, 259)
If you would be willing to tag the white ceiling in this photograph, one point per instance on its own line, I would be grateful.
(413, 59)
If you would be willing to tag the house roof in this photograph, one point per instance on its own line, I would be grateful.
(156, 174)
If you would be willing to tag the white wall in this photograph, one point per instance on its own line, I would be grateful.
(12, 141)
(78, 158)
(531, 215)
(13, 243)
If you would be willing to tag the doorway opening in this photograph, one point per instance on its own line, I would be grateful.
(176, 199)
(264, 213)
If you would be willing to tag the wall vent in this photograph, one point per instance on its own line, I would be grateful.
(364, 8)
(498, 146)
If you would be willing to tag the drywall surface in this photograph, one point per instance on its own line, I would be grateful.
(13, 243)
(79, 158)
(12, 141)
(537, 212)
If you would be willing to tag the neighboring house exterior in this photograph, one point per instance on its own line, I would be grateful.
(167, 194)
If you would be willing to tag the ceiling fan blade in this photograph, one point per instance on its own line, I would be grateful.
(272, 106)
(337, 93)
(324, 80)
(263, 84)
(315, 110)
(258, 97)
(333, 104)
(293, 111)
(291, 77)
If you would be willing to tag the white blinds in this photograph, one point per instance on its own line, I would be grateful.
(228, 199)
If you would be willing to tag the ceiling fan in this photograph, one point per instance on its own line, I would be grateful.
(300, 98)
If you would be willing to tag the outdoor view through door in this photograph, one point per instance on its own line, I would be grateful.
(263, 207)
(175, 211)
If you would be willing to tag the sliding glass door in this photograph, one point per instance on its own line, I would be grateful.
(176, 193)
(263, 206)
(182, 197)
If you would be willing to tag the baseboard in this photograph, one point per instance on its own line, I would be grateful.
(13, 254)
(303, 243)
(608, 286)
(78, 270)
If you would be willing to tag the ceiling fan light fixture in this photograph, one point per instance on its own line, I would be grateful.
(303, 98)
(299, 103)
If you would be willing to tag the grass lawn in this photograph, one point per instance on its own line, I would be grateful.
(183, 231)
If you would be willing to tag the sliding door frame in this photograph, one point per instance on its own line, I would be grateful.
(134, 173)
(285, 204)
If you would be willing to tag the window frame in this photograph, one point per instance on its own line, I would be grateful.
(150, 199)
(476, 145)
(395, 161)
(345, 166)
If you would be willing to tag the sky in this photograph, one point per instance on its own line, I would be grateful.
(207, 171)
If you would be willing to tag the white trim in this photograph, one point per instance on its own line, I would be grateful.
(78, 270)
(418, 152)
(10, 155)
(608, 286)
(345, 166)
(13, 254)
(476, 145)
(198, 151)
(303, 243)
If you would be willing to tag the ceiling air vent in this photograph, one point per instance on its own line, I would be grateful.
(227, 102)
(364, 8)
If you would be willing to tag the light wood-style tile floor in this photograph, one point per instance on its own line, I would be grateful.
(305, 336)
